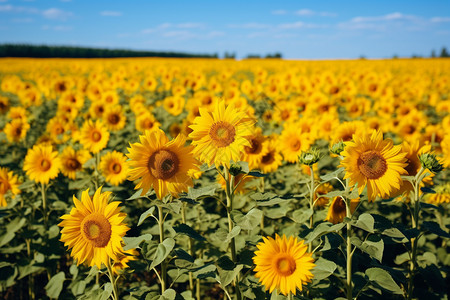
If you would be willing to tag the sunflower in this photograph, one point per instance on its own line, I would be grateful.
(344, 132)
(16, 130)
(441, 196)
(292, 142)
(373, 162)
(221, 135)
(283, 264)
(257, 149)
(337, 209)
(94, 229)
(4, 104)
(146, 121)
(161, 163)
(114, 117)
(174, 105)
(272, 159)
(94, 136)
(114, 167)
(319, 199)
(124, 258)
(445, 145)
(72, 161)
(41, 163)
(8, 182)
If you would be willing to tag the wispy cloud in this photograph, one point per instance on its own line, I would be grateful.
(57, 28)
(279, 12)
(56, 14)
(440, 19)
(298, 25)
(18, 9)
(308, 12)
(384, 22)
(161, 28)
(251, 25)
(109, 13)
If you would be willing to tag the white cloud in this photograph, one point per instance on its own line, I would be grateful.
(308, 12)
(56, 28)
(109, 13)
(384, 22)
(18, 9)
(252, 25)
(297, 25)
(56, 14)
(440, 19)
(190, 25)
(389, 17)
(279, 12)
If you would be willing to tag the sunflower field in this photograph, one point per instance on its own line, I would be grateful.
(222, 179)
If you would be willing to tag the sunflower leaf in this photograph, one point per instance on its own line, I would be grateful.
(435, 228)
(365, 222)
(332, 175)
(189, 231)
(226, 276)
(249, 221)
(383, 279)
(323, 268)
(162, 252)
(134, 242)
(145, 215)
(300, 216)
(55, 285)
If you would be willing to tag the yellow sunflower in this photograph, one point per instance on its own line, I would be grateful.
(283, 264)
(94, 136)
(337, 209)
(221, 135)
(114, 167)
(124, 258)
(161, 163)
(8, 182)
(441, 196)
(94, 229)
(72, 161)
(146, 121)
(292, 142)
(272, 159)
(114, 117)
(373, 162)
(257, 149)
(42, 163)
(16, 130)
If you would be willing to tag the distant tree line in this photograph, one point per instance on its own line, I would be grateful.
(275, 55)
(44, 51)
(444, 53)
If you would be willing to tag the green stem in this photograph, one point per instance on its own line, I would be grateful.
(112, 279)
(311, 205)
(197, 289)
(415, 224)
(30, 277)
(349, 252)
(96, 172)
(44, 205)
(229, 179)
(161, 240)
(190, 245)
(289, 296)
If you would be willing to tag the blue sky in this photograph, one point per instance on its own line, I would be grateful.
(297, 29)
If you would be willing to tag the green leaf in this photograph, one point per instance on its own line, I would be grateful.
(107, 291)
(206, 271)
(134, 242)
(233, 233)
(435, 228)
(249, 221)
(189, 231)
(168, 294)
(162, 252)
(395, 233)
(257, 174)
(266, 199)
(136, 195)
(300, 216)
(374, 246)
(384, 280)
(323, 268)
(226, 277)
(181, 254)
(365, 222)
(320, 230)
(332, 175)
(78, 288)
(427, 190)
(145, 215)
(73, 271)
(55, 285)
(196, 193)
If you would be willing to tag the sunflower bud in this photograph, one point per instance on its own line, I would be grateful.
(430, 162)
(310, 157)
(337, 148)
(235, 169)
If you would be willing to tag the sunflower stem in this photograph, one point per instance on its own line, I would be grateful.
(349, 251)
(415, 224)
(229, 179)
(30, 277)
(44, 205)
(161, 240)
(96, 173)
(289, 296)
(113, 281)
(190, 245)
(311, 205)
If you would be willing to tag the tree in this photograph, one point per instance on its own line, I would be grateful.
(444, 52)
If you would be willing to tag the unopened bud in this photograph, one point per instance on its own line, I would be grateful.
(235, 169)
(310, 157)
(430, 162)
(337, 148)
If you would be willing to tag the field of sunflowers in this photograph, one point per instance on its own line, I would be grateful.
(222, 179)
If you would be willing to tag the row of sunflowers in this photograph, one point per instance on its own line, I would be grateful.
(222, 179)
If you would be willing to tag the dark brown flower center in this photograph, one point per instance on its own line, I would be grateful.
(73, 164)
(338, 206)
(45, 165)
(268, 158)
(222, 134)
(255, 147)
(97, 229)
(96, 136)
(285, 264)
(116, 168)
(372, 164)
(113, 119)
(163, 164)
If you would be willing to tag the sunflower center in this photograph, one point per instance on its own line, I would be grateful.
(372, 164)
(4, 186)
(97, 229)
(116, 168)
(96, 136)
(73, 164)
(222, 133)
(268, 158)
(295, 144)
(255, 147)
(113, 119)
(285, 264)
(163, 164)
(412, 167)
(45, 165)
(339, 206)
(18, 131)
